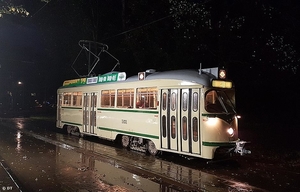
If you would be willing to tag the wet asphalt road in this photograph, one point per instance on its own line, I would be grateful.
(40, 158)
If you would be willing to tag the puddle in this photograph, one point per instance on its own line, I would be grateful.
(97, 172)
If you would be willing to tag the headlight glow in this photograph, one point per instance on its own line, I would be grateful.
(230, 131)
(211, 121)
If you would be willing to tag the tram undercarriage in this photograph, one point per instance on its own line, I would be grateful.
(73, 130)
(139, 144)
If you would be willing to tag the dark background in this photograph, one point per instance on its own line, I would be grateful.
(257, 41)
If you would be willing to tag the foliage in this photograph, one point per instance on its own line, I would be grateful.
(168, 33)
(7, 7)
(245, 32)
(14, 7)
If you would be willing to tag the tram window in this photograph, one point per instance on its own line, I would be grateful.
(230, 97)
(93, 112)
(93, 118)
(220, 101)
(164, 101)
(146, 98)
(85, 100)
(173, 127)
(108, 98)
(94, 100)
(164, 126)
(77, 98)
(185, 101)
(195, 129)
(212, 102)
(184, 128)
(173, 101)
(195, 102)
(211, 97)
(125, 98)
(67, 99)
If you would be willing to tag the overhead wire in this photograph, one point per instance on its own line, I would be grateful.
(47, 2)
(41, 8)
(150, 23)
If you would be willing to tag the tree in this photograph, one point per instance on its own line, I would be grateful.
(7, 8)
(255, 33)
(13, 7)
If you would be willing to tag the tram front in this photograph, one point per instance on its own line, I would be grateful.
(220, 120)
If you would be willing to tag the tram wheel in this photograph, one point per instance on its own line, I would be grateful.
(82, 135)
(69, 129)
(75, 131)
(151, 148)
(125, 141)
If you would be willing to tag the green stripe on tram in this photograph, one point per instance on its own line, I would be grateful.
(129, 110)
(129, 132)
(71, 107)
(217, 144)
(119, 110)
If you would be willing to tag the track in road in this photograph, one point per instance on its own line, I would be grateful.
(164, 172)
(126, 168)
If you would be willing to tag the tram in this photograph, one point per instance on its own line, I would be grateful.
(187, 112)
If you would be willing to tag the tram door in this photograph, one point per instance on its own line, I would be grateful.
(89, 112)
(180, 128)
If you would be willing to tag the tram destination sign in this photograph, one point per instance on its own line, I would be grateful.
(112, 77)
(105, 78)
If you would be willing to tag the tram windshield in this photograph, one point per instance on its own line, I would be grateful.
(220, 101)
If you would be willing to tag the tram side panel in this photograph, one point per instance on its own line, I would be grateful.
(72, 116)
(138, 123)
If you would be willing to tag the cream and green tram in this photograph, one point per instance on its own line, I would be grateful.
(184, 111)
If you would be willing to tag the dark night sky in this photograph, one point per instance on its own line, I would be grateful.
(40, 49)
(33, 52)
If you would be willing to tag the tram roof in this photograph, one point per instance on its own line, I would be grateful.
(187, 75)
(183, 75)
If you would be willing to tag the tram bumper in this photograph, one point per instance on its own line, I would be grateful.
(240, 148)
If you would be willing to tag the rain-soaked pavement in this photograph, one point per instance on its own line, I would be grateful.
(37, 157)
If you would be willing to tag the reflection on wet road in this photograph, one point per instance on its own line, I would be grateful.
(43, 160)
(30, 161)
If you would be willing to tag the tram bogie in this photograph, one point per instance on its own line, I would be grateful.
(138, 144)
(185, 111)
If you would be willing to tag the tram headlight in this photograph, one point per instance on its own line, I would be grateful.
(230, 131)
(211, 121)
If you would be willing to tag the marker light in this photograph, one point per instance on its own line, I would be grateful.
(230, 131)
(222, 74)
(141, 75)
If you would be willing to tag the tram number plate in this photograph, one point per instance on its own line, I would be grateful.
(124, 121)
